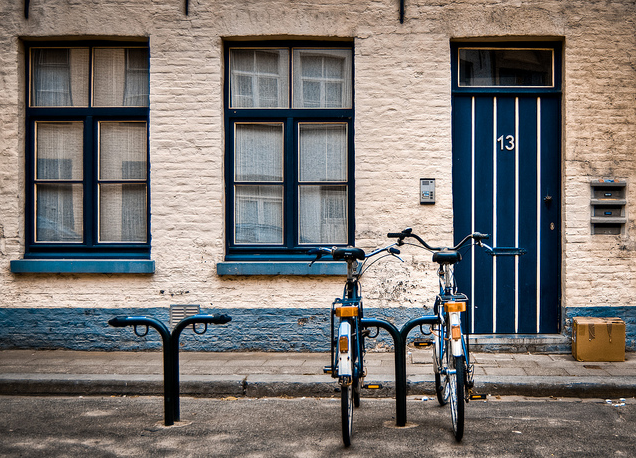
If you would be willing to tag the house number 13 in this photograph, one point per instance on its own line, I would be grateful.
(508, 142)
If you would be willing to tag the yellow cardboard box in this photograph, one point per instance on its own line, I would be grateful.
(598, 339)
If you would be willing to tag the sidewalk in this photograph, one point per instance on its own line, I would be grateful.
(61, 372)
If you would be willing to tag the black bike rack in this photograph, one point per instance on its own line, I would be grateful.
(399, 343)
(170, 352)
(423, 320)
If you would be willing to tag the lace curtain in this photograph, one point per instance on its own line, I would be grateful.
(258, 157)
(122, 206)
(59, 200)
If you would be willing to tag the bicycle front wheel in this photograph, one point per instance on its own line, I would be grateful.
(456, 379)
(357, 386)
(346, 407)
(441, 380)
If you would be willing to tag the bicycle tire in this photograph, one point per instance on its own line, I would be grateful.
(346, 406)
(441, 381)
(457, 402)
(357, 385)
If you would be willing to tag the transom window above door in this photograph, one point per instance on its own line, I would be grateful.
(505, 67)
(289, 168)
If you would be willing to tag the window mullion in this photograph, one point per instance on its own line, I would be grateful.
(291, 183)
(90, 181)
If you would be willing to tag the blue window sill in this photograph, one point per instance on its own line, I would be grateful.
(280, 268)
(92, 266)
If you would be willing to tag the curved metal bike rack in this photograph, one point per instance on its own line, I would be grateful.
(399, 344)
(170, 352)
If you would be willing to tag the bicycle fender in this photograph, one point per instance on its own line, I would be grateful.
(456, 344)
(344, 357)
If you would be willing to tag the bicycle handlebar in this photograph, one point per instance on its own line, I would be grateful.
(320, 251)
(408, 232)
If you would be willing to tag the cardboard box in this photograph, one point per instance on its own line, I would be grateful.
(598, 339)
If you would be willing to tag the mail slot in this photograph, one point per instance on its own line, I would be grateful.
(608, 211)
(608, 192)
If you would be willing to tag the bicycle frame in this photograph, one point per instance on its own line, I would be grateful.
(350, 310)
(451, 304)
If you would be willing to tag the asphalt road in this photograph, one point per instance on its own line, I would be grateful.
(310, 427)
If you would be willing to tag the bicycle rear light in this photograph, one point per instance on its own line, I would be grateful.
(344, 344)
(347, 311)
(451, 307)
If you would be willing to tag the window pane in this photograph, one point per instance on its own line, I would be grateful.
(322, 78)
(258, 153)
(323, 152)
(59, 77)
(120, 77)
(59, 216)
(59, 150)
(323, 214)
(258, 214)
(505, 67)
(123, 150)
(122, 213)
(259, 78)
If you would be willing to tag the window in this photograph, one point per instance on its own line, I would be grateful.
(289, 139)
(87, 151)
(505, 67)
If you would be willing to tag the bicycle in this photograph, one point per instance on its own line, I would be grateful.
(452, 365)
(347, 347)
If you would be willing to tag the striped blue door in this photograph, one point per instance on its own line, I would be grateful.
(506, 182)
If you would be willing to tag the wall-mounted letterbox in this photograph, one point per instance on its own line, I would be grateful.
(608, 206)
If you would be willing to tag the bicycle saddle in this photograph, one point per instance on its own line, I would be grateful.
(447, 257)
(348, 253)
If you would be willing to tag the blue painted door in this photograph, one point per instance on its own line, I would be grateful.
(506, 182)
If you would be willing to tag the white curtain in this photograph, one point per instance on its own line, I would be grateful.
(59, 77)
(322, 78)
(122, 213)
(258, 152)
(120, 77)
(122, 206)
(258, 214)
(259, 78)
(59, 158)
(323, 214)
(323, 152)
(123, 150)
(258, 158)
(323, 158)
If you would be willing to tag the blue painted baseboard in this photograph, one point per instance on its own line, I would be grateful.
(269, 329)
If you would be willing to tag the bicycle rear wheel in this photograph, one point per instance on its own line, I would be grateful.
(456, 379)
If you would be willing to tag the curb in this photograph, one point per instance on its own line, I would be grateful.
(301, 386)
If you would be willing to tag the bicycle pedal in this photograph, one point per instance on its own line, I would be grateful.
(422, 343)
(476, 397)
(372, 386)
(327, 370)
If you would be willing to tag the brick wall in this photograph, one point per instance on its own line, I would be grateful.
(402, 133)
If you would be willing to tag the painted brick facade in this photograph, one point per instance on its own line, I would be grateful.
(402, 133)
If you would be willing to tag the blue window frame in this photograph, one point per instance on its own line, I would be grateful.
(87, 162)
(289, 148)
